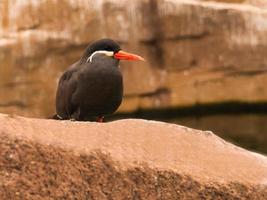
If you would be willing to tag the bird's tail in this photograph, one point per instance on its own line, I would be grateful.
(56, 117)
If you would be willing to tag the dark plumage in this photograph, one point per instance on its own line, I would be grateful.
(92, 87)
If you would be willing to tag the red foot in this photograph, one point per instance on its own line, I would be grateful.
(100, 119)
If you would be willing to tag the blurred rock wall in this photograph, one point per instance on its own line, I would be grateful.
(197, 51)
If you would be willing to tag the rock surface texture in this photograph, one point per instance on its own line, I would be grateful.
(198, 52)
(126, 159)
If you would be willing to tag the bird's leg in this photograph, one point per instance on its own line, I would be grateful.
(100, 119)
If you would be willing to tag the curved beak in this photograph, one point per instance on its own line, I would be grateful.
(122, 55)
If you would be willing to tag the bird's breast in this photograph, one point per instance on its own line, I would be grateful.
(100, 88)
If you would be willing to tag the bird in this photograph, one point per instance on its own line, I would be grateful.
(92, 87)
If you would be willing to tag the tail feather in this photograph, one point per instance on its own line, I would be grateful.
(56, 117)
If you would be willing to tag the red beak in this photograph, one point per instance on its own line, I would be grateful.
(122, 55)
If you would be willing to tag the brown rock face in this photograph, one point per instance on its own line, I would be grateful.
(197, 51)
(123, 160)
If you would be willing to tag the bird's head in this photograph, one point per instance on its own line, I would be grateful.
(109, 48)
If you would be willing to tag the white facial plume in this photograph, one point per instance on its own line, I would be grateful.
(107, 53)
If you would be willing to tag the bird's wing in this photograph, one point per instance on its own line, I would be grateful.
(66, 88)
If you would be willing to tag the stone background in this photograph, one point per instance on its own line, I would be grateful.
(197, 52)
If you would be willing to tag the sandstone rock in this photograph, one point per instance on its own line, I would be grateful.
(197, 52)
(123, 159)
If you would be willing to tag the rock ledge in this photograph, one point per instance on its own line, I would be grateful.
(123, 160)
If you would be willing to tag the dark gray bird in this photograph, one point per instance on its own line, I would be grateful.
(92, 87)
